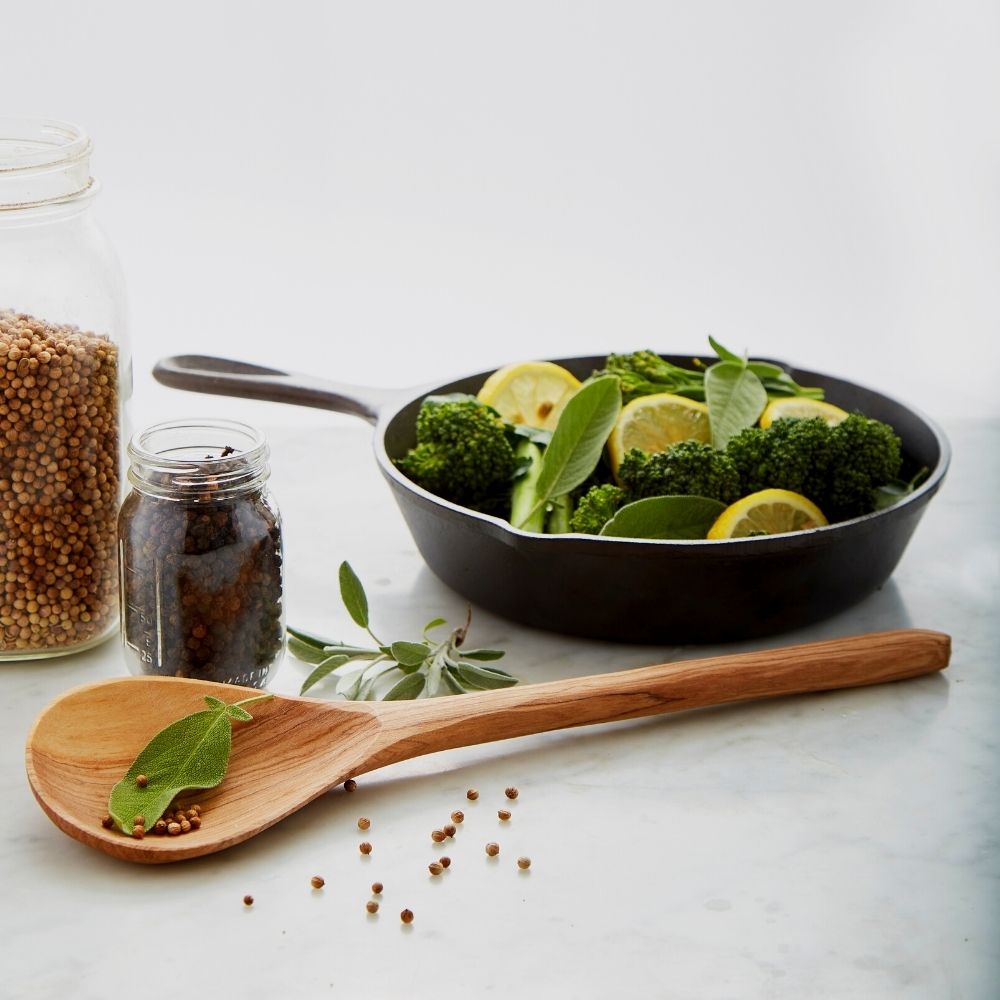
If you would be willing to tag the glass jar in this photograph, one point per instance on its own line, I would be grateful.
(65, 378)
(200, 555)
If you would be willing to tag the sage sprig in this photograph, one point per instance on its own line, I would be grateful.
(411, 669)
(192, 753)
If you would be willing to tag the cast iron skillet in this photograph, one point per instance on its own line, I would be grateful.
(627, 590)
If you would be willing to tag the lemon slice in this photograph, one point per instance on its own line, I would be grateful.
(531, 393)
(654, 423)
(801, 408)
(769, 512)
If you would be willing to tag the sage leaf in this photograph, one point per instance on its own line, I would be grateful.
(484, 678)
(325, 667)
(190, 753)
(686, 517)
(434, 623)
(723, 353)
(736, 398)
(482, 654)
(353, 595)
(409, 654)
(579, 438)
(409, 687)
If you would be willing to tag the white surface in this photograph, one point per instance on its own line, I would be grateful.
(398, 193)
(835, 846)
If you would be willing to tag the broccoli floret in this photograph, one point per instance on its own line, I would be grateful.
(462, 453)
(688, 468)
(839, 468)
(643, 373)
(596, 507)
(863, 455)
(791, 454)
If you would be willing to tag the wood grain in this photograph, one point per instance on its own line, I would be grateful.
(299, 748)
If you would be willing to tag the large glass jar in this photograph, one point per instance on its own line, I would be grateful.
(200, 547)
(65, 377)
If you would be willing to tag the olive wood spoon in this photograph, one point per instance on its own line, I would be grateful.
(298, 748)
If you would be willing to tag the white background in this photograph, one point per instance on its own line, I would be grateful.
(398, 193)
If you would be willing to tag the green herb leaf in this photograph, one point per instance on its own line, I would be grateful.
(724, 353)
(482, 654)
(579, 439)
(308, 639)
(325, 668)
(190, 753)
(409, 654)
(353, 595)
(409, 687)
(664, 517)
(433, 624)
(483, 678)
(735, 397)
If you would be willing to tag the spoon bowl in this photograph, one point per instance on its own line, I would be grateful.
(295, 749)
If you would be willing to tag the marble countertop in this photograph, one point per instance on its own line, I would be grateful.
(835, 845)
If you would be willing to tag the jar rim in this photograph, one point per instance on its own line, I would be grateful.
(43, 161)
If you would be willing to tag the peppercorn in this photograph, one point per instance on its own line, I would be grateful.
(248, 900)
(511, 792)
(364, 822)
(195, 822)
(141, 780)
(364, 847)
(458, 816)
(435, 867)
(160, 826)
(107, 822)
(445, 862)
(317, 881)
(472, 794)
(377, 888)
(185, 826)
(492, 849)
(350, 785)
(503, 814)
(372, 906)
(406, 916)
(524, 863)
(173, 828)
(437, 836)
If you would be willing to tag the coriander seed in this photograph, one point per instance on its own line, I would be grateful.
(141, 780)
(107, 822)
(492, 849)
(472, 794)
(317, 881)
(173, 829)
(372, 906)
(445, 862)
(503, 814)
(350, 785)
(138, 831)
(364, 847)
(139, 820)
(511, 792)
(364, 823)
(524, 863)
(449, 830)
(437, 836)
(377, 888)
(406, 916)
(458, 816)
(248, 900)
(435, 867)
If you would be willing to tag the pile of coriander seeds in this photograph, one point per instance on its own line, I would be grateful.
(59, 484)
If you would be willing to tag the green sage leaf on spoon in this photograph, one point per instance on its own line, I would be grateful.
(190, 753)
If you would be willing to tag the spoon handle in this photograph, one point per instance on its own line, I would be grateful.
(411, 729)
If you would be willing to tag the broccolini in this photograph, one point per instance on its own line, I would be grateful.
(688, 468)
(596, 507)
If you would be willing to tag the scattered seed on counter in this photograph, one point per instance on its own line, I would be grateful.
(350, 785)
(372, 906)
(503, 814)
(524, 863)
(492, 849)
(364, 847)
(435, 867)
(457, 816)
(364, 823)
(445, 862)
(472, 794)
(377, 888)
(511, 792)
(450, 830)
(406, 916)
(248, 900)
(437, 836)
(317, 881)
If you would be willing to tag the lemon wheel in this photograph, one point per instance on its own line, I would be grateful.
(801, 408)
(532, 393)
(653, 423)
(769, 512)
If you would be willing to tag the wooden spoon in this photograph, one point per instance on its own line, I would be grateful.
(298, 748)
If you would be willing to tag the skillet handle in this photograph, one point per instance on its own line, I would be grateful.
(223, 377)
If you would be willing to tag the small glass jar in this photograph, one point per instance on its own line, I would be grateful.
(65, 377)
(200, 555)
